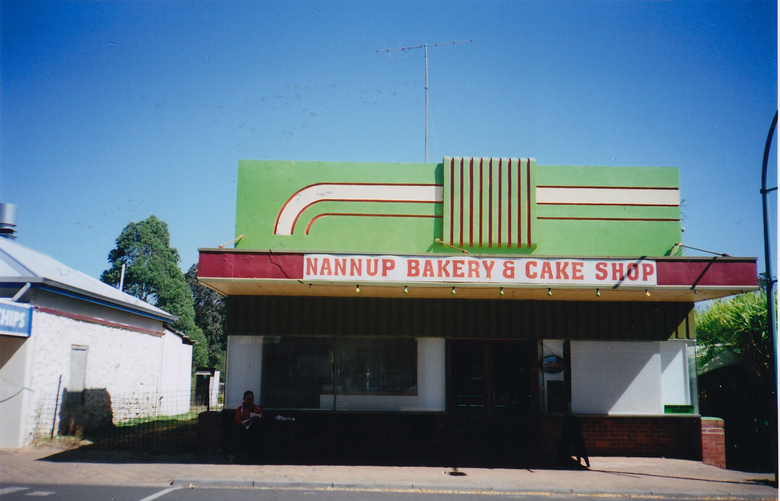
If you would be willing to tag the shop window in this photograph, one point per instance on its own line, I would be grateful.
(296, 370)
(370, 366)
(310, 372)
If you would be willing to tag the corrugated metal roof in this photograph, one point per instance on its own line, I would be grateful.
(21, 264)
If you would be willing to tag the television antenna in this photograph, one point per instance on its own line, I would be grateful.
(425, 46)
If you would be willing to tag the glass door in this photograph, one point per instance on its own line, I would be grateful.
(492, 380)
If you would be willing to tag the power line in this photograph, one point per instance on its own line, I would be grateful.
(425, 46)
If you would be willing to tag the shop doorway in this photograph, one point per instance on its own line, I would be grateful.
(492, 382)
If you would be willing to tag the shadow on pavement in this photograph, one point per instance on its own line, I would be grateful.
(756, 481)
(91, 454)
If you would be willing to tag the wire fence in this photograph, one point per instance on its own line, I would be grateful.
(151, 422)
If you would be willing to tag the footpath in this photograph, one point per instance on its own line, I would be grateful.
(607, 476)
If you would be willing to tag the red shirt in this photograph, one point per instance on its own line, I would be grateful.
(243, 412)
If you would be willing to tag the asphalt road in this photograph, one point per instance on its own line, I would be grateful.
(121, 493)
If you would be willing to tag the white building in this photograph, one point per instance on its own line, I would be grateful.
(76, 353)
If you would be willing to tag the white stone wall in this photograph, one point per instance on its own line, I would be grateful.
(126, 374)
(14, 389)
(175, 375)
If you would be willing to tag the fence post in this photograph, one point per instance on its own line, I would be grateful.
(56, 407)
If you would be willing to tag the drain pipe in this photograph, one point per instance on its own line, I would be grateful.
(21, 292)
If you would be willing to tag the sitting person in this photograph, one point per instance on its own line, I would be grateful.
(248, 424)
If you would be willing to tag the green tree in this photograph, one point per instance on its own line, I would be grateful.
(210, 317)
(152, 274)
(738, 327)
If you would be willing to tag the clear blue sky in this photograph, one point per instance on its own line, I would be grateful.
(113, 111)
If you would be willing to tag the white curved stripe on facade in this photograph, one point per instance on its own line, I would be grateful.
(607, 196)
(352, 193)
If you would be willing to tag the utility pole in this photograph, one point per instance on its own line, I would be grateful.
(767, 278)
(425, 46)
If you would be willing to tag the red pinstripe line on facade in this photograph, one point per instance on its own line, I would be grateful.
(519, 214)
(368, 200)
(471, 202)
(500, 198)
(452, 200)
(528, 200)
(276, 223)
(510, 214)
(461, 202)
(563, 204)
(480, 202)
(604, 219)
(356, 214)
(612, 187)
(490, 203)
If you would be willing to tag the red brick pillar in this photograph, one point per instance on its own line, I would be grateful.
(713, 442)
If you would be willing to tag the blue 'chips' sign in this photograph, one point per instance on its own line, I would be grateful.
(15, 319)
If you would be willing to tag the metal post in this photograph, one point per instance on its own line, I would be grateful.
(426, 103)
(770, 282)
(56, 407)
(425, 46)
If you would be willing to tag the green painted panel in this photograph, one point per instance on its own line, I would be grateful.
(563, 175)
(395, 208)
(264, 187)
(608, 238)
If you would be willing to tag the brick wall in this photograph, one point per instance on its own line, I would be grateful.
(431, 439)
(639, 436)
(713, 442)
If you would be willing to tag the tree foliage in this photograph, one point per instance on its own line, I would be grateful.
(210, 317)
(152, 274)
(741, 391)
(738, 326)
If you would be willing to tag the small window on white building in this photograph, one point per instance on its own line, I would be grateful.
(78, 372)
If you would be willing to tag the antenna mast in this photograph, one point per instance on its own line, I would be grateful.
(425, 46)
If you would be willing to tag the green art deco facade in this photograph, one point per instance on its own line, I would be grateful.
(490, 292)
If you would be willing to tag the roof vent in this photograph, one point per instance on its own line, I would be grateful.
(8, 221)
